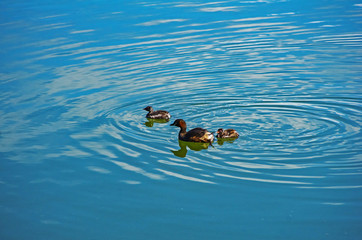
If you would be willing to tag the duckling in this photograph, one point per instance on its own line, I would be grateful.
(194, 135)
(228, 133)
(159, 114)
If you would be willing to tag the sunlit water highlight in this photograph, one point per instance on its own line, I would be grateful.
(79, 159)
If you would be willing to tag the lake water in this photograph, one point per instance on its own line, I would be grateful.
(79, 160)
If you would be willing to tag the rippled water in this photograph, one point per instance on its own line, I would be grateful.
(79, 160)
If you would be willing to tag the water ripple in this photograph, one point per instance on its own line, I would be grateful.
(280, 142)
(276, 78)
(77, 151)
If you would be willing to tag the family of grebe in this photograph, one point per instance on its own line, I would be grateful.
(194, 135)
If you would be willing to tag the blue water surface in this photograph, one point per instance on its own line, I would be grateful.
(79, 160)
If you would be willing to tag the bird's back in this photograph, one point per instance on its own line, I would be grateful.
(198, 135)
(159, 114)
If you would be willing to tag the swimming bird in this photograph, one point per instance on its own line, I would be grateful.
(228, 133)
(159, 114)
(194, 135)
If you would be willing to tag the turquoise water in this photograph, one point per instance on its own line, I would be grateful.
(79, 160)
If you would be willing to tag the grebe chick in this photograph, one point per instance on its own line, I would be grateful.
(194, 135)
(228, 133)
(159, 114)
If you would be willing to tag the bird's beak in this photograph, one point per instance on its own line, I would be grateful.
(172, 124)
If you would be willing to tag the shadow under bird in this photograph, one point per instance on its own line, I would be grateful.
(158, 114)
(228, 133)
(194, 135)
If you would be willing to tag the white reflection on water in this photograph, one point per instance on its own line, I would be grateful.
(181, 176)
(70, 151)
(98, 148)
(82, 31)
(161, 21)
(264, 166)
(260, 179)
(98, 169)
(126, 150)
(172, 163)
(138, 170)
(219, 9)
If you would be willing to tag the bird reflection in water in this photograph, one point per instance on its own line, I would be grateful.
(151, 121)
(196, 146)
(221, 141)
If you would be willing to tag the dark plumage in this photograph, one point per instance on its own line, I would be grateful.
(159, 114)
(194, 135)
(228, 133)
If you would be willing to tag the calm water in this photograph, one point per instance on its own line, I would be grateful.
(79, 160)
